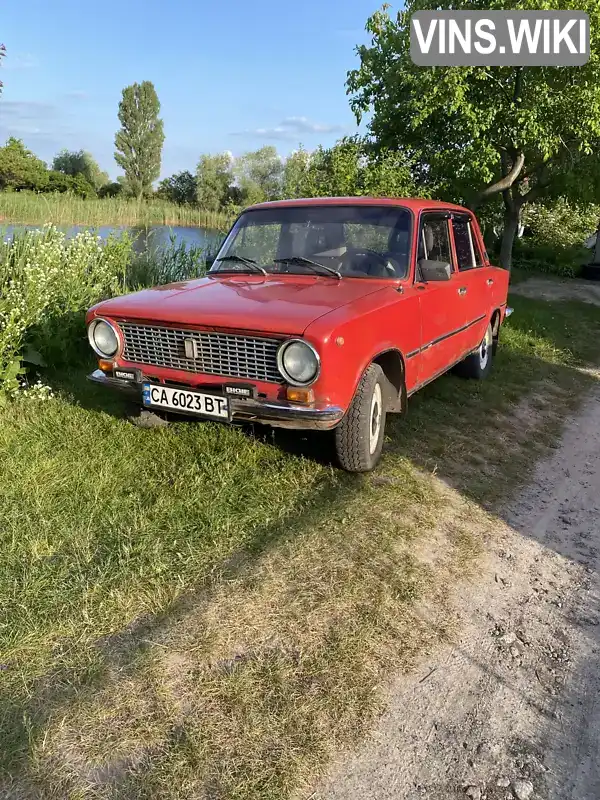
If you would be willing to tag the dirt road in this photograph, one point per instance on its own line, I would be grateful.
(511, 709)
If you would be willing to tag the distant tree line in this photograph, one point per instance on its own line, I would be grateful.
(350, 167)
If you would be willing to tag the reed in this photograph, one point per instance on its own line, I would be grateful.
(63, 209)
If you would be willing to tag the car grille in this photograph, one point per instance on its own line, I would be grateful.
(224, 354)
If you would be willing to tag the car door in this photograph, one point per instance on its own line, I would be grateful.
(474, 279)
(442, 303)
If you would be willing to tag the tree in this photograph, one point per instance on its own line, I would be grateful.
(214, 179)
(20, 168)
(82, 162)
(139, 142)
(352, 167)
(179, 188)
(474, 133)
(260, 174)
(113, 189)
(294, 173)
(76, 184)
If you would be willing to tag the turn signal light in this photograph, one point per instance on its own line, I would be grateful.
(105, 366)
(300, 395)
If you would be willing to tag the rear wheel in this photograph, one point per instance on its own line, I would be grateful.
(479, 364)
(359, 436)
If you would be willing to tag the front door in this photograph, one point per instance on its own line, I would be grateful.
(443, 303)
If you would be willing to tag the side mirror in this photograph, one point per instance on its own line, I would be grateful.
(209, 261)
(435, 270)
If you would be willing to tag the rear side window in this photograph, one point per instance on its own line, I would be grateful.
(434, 240)
(468, 255)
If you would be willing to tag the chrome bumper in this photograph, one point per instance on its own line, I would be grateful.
(269, 412)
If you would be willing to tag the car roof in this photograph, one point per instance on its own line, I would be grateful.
(414, 203)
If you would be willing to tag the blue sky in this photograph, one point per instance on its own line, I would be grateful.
(230, 76)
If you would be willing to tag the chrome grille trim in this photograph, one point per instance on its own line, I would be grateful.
(230, 355)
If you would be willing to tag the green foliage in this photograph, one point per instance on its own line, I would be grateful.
(139, 142)
(565, 261)
(172, 261)
(294, 173)
(214, 178)
(259, 175)
(47, 281)
(67, 209)
(83, 163)
(561, 223)
(472, 132)
(351, 168)
(179, 188)
(20, 168)
(556, 234)
(112, 189)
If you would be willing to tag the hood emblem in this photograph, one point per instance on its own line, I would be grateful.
(191, 348)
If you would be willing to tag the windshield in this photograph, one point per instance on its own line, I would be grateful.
(358, 241)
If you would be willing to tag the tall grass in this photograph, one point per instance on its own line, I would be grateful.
(64, 209)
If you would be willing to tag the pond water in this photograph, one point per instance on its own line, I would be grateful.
(146, 238)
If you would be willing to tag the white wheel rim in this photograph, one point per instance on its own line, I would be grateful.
(375, 419)
(484, 349)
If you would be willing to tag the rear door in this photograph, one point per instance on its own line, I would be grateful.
(474, 279)
(443, 310)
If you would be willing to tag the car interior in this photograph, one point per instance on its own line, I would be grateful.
(336, 245)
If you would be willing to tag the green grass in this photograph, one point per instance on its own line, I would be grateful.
(198, 611)
(63, 209)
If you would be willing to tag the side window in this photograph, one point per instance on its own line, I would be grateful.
(476, 247)
(434, 240)
(464, 244)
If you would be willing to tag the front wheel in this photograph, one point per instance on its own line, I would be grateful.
(479, 364)
(359, 436)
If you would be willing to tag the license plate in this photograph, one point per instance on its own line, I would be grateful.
(185, 401)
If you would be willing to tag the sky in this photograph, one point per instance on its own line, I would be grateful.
(230, 76)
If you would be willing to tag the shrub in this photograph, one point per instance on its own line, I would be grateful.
(557, 232)
(565, 261)
(47, 281)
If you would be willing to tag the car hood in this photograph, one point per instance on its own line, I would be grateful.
(276, 304)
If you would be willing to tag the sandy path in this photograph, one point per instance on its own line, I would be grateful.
(551, 288)
(512, 709)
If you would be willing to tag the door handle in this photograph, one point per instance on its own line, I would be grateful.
(490, 281)
(462, 290)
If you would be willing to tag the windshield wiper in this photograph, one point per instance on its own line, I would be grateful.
(248, 262)
(309, 262)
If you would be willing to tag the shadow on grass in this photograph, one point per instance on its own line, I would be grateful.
(481, 439)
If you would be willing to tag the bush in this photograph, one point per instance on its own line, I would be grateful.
(557, 232)
(47, 282)
(566, 261)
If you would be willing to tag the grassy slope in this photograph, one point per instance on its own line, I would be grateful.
(197, 610)
(34, 209)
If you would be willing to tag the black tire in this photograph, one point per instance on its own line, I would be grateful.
(359, 436)
(478, 365)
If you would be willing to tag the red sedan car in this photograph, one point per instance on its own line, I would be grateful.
(322, 314)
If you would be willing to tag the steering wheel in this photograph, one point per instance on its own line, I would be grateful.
(367, 254)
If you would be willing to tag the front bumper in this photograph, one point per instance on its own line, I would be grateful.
(269, 412)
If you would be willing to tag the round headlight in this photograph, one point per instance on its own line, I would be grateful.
(298, 362)
(103, 338)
